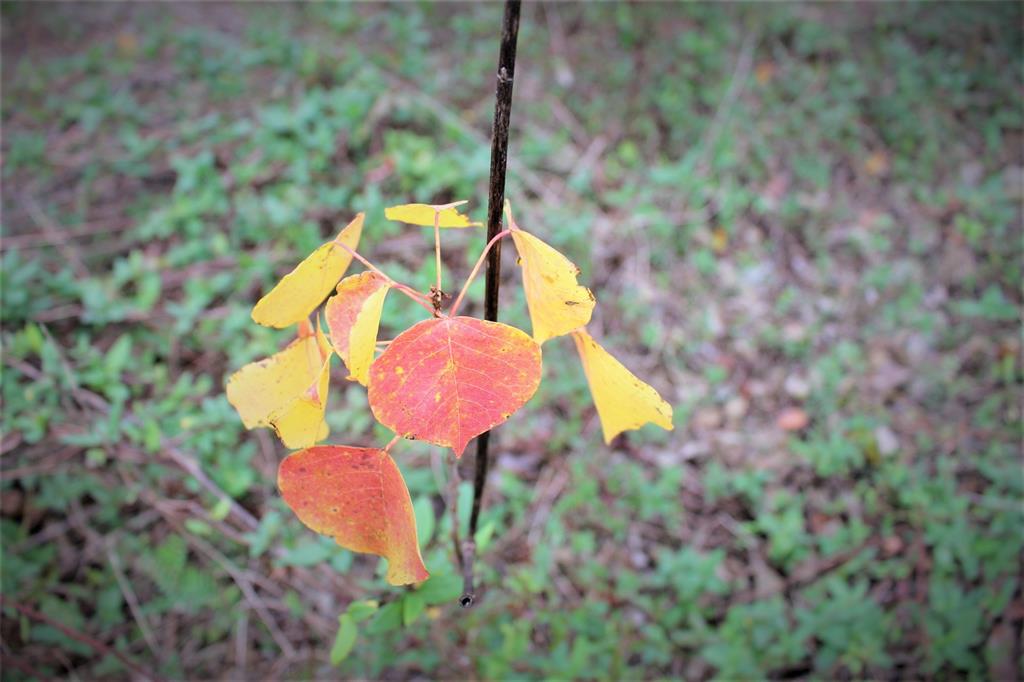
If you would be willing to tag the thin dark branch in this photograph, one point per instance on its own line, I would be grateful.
(495, 204)
(453, 508)
(82, 637)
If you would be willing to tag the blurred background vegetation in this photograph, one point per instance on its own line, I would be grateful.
(802, 222)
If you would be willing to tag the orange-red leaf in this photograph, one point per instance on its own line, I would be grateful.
(353, 317)
(448, 380)
(358, 497)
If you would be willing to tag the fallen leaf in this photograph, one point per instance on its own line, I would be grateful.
(877, 164)
(287, 391)
(892, 545)
(304, 288)
(623, 401)
(447, 380)
(792, 419)
(423, 214)
(719, 240)
(765, 72)
(127, 44)
(557, 302)
(358, 497)
(353, 318)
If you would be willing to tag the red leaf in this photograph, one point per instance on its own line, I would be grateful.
(448, 380)
(357, 496)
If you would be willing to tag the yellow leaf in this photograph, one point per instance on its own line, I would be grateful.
(287, 391)
(623, 402)
(557, 302)
(304, 288)
(719, 240)
(423, 214)
(302, 425)
(353, 317)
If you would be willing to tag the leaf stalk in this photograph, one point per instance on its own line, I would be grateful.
(404, 288)
(476, 268)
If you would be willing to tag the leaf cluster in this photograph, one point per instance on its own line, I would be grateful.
(444, 380)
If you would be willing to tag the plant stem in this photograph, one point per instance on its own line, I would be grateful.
(437, 248)
(495, 203)
(404, 288)
(414, 295)
(453, 507)
(476, 268)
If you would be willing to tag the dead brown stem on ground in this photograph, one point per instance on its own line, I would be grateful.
(82, 637)
(131, 599)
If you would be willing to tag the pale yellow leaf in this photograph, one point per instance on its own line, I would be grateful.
(623, 401)
(423, 214)
(287, 391)
(304, 288)
(353, 318)
(302, 424)
(557, 302)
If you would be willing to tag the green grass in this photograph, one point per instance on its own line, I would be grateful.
(785, 206)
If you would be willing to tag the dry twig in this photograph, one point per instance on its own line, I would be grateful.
(82, 637)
